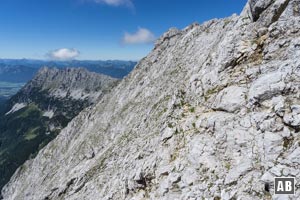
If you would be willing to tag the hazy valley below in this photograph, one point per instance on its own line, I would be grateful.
(8, 89)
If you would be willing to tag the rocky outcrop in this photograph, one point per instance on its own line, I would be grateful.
(211, 113)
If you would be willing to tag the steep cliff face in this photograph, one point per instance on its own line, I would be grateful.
(37, 113)
(213, 112)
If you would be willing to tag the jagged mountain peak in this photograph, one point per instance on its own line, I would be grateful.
(267, 12)
(75, 83)
(69, 77)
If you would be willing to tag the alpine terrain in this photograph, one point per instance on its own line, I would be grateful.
(213, 112)
(45, 105)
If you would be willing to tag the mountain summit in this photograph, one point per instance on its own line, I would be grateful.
(213, 112)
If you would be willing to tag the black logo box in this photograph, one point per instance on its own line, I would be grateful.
(284, 185)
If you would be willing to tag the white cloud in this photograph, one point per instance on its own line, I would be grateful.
(64, 54)
(142, 36)
(116, 2)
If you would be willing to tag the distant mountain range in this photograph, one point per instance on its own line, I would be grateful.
(13, 70)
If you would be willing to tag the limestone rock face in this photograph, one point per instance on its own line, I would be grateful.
(258, 6)
(231, 99)
(170, 130)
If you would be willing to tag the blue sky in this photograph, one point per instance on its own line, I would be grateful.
(97, 29)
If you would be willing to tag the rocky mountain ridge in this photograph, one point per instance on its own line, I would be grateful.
(73, 83)
(211, 113)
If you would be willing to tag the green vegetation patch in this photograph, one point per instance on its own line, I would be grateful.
(32, 133)
(31, 110)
